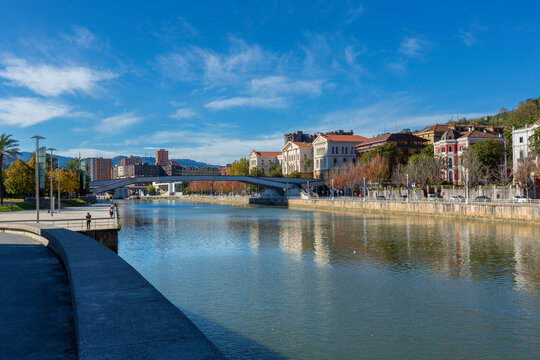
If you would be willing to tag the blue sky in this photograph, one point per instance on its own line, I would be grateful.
(211, 80)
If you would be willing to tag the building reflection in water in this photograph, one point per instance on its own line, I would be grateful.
(479, 250)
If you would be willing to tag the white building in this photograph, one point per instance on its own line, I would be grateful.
(262, 159)
(294, 157)
(520, 143)
(334, 152)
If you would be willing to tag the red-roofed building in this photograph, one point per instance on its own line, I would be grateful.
(451, 146)
(295, 154)
(262, 160)
(334, 152)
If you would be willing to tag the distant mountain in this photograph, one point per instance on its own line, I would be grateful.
(27, 155)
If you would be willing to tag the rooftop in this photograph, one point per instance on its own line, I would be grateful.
(345, 138)
(392, 137)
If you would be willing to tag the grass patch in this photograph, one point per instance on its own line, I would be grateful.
(14, 200)
(18, 207)
(74, 202)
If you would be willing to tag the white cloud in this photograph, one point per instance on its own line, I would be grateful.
(118, 122)
(184, 113)
(23, 112)
(48, 80)
(242, 101)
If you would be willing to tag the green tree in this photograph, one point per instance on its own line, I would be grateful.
(294, 175)
(534, 141)
(256, 172)
(151, 189)
(240, 167)
(387, 150)
(9, 148)
(490, 155)
(277, 172)
(20, 178)
(307, 163)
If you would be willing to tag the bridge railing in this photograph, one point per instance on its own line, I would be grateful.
(104, 223)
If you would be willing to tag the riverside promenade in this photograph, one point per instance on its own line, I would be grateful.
(64, 295)
(71, 218)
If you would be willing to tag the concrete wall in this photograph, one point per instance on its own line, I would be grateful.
(220, 200)
(507, 212)
(117, 313)
(108, 237)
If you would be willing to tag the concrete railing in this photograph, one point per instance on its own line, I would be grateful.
(118, 314)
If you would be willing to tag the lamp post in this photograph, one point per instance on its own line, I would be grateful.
(37, 137)
(52, 190)
(59, 196)
(408, 200)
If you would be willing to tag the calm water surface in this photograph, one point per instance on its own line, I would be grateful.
(273, 283)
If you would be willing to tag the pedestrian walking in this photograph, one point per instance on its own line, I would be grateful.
(88, 221)
(111, 211)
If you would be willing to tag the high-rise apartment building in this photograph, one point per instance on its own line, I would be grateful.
(162, 157)
(99, 168)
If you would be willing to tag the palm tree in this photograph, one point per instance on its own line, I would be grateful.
(9, 148)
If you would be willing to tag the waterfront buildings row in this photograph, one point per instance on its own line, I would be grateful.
(321, 154)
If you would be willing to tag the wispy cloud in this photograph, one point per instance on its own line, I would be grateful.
(195, 64)
(243, 101)
(369, 120)
(279, 85)
(184, 113)
(222, 148)
(49, 80)
(469, 35)
(88, 152)
(353, 13)
(23, 111)
(413, 46)
(82, 37)
(121, 121)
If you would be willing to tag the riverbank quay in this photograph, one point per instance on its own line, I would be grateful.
(496, 211)
(117, 314)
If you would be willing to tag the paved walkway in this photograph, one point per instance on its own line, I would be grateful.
(36, 316)
(66, 218)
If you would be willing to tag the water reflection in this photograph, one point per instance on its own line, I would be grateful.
(318, 285)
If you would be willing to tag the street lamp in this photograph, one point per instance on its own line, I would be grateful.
(51, 192)
(37, 137)
(59, 196)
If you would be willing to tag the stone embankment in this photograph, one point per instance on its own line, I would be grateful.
(526, 212)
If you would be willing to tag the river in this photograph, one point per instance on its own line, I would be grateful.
(275, 283)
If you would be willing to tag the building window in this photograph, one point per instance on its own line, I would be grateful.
(520, 154)
(335, 162)
(443, 149)
(521, 139)
(450, 162)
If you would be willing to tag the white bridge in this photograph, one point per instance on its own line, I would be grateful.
(266, 182)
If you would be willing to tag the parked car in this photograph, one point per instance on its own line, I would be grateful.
(457, 198)
(520, 199)
(482, 198)
(381, 197)
(434, 197)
